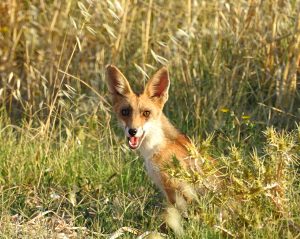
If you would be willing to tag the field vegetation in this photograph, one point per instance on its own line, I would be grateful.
(65, 170)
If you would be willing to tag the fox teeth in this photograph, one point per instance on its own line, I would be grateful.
(134, 142)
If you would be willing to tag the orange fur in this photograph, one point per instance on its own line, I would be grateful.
(158, 140)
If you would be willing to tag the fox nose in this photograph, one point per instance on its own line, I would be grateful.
(132, 132)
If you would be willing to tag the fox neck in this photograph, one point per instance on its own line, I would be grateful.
(157, 136)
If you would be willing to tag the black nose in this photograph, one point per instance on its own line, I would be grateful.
(132, 132)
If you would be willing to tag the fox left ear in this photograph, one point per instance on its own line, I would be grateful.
(118, 86)
(158, 86)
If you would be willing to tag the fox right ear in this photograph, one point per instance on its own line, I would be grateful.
(158, 86)
(116, 81)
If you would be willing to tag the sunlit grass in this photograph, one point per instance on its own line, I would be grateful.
(95, 188)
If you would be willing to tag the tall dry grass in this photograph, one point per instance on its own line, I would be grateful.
(242, 55)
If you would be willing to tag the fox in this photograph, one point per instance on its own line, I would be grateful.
(149, 131)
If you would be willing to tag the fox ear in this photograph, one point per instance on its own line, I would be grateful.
(158, 86)
(116, 81)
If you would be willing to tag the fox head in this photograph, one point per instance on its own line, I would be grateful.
(139, 114)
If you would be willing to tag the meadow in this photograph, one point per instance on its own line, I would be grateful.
(65, 168)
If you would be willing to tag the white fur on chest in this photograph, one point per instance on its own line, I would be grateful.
(154, 173)
(154, 140)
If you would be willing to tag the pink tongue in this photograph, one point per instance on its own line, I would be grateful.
(133, 140)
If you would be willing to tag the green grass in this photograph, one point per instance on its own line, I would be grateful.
(95, 187)
(64, 167)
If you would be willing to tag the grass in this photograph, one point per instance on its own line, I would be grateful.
(65, 170)
(95, 188)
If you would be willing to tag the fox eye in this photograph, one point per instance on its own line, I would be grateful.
(146, 113)
(125, 112)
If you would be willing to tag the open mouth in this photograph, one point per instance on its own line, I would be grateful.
(135, 142)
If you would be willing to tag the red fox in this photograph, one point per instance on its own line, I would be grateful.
(149, 131)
